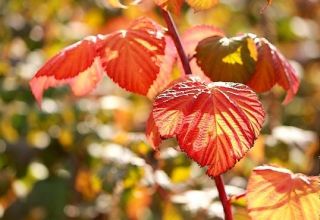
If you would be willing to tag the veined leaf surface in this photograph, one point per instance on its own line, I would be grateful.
(132, 57)
(78, 65)
(276, 193)
(215, 124)
(271, 68)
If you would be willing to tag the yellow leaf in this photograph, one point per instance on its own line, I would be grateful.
(276, 193)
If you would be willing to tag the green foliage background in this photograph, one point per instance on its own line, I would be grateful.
(87, 158)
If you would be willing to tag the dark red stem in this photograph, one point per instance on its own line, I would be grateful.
(175, 36)
(224, 198)
(185, 63)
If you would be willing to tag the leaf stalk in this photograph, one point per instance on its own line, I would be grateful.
(223, 197)
(177, 42)
(186, 67)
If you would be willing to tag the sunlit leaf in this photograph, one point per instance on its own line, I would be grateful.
(247, 59)
(215, 124)
(227, 59)
(202, 4)
(276, 193)
(272, 68)
(132, 57)
(78, 65)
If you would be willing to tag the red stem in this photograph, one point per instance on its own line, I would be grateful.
(176, 39)
(185, 63)
(224, 198)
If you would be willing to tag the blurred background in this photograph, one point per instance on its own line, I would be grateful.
(87, 158)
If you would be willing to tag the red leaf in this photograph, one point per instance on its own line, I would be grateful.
(276, 193)
(132, 57)
(215, 124)
(272, 68)
(78, 65)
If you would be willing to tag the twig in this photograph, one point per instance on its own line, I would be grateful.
(223, 197)
(185, 63)
(175, 36)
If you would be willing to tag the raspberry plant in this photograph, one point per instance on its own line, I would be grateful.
(212, 109)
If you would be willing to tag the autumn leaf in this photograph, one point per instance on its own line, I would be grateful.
(78, 65)
(132, 58)
(273, 68)
(247, 59)
(276, 193)
(215, 124)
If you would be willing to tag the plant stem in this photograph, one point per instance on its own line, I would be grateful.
(186, 67)
(175, 36)
(223, 197)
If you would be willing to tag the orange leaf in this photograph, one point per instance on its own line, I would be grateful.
(78, 65)
(276, 193)
(272, 68)
(132, 57)
(215, 124)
